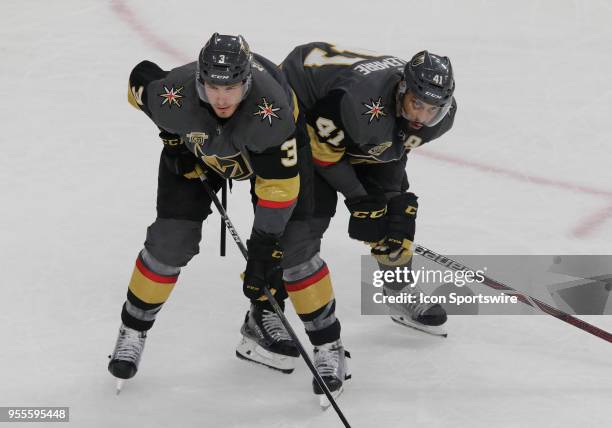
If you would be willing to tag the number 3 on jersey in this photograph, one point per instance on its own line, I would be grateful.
(290, 158)
(325, 129)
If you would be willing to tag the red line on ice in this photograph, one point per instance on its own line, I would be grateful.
(591, 223)
(526, 178)
(128, 15)
(584, 228)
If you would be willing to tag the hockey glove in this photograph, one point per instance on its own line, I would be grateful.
(176, 157)
(263, 268)
(396, 248)
(368, 221)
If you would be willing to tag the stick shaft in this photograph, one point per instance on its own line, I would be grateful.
(528, 300)
(274, 303)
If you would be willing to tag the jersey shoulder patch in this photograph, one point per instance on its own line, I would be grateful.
(368, 108)
(172, 102)
(140, 77)
(269, 112)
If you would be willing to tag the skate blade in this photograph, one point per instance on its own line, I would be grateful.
(324, 401)
(119, 386)
(249, 350)
(434, 330)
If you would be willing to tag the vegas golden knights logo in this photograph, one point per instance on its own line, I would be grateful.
(235, 167)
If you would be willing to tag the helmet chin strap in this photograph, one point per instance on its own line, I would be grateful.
(246, 86)
(402, 88)
(399, 99)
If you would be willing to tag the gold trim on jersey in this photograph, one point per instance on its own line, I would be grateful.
(296, 109)
(354, 161)
(135, 96)
(318, 57)
(322, 151)
(359, 159)
(277, 189)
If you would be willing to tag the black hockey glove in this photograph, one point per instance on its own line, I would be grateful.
(396, 248)
(177, 157)
(368, 222)
(263, 268)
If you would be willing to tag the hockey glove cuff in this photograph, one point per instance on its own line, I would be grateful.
(176, 157)
(396, 248)
(263, 268)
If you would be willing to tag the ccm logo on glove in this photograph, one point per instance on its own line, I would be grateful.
(370, 214)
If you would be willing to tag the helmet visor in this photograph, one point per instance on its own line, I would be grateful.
(199, 84)
(416, 110)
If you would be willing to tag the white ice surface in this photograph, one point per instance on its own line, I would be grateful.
(525, 170)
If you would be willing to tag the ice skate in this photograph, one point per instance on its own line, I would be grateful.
(425, 317)
(266, 341)
(330, 362)
(124, 361)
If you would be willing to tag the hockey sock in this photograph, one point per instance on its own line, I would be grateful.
(310, 290)
(149, 288)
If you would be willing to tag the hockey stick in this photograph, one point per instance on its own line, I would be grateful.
(223, 230)
(272, 300)
(528, 300)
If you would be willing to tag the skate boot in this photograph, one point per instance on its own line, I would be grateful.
(330, 362)
(426, 317)
(266, 341)
(126, 356)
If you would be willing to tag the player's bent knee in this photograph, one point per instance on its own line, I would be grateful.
(301, 240)
(318, 225)
(174, 242)
(299, 244)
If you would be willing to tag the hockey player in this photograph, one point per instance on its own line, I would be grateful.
(364, 113)
(229, 115)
